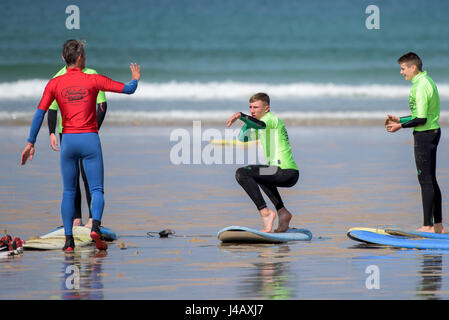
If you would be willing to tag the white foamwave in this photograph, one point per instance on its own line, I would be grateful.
(190, 115)
(177, 116)
(13, 116)
(33, 89)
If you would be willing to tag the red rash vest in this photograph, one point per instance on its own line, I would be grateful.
(76, 94)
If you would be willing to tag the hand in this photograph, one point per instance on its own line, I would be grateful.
(393, 127)
(28, 152)
(389, 119)
(233, 119)
(135, 71)
(54, 142)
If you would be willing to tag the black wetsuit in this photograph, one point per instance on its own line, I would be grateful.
(424, 103)
(281, 170)
(251, 177)
(426, 143)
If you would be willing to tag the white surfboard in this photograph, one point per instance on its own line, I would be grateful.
(55, 239)
(53, 243)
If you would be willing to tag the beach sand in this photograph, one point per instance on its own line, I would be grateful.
(349, 177)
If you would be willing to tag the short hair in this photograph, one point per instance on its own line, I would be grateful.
(72, 49)
(260, 97)
(411, 58)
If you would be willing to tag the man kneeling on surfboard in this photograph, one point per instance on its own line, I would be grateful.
(76, 93)
(281, 170)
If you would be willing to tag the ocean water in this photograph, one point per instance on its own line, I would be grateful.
(314, 58)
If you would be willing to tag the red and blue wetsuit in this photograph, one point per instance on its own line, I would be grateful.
(76, 94)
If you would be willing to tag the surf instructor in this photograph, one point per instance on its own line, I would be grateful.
(424, 104)
(76, 93)
(52, 120)
(281, 170)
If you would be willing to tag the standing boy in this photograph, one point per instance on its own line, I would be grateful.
(424, 104)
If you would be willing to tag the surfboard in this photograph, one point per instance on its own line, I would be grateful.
(224, 142)
(107, 233)
(53, 243)
(397, 241)
(237, 234)
(418, 234)
(375, 230)
(55, 239)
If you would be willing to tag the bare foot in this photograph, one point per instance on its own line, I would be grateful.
(284, 217)
(268, 217)
(76, 222)
(426, 229)
(438, 228)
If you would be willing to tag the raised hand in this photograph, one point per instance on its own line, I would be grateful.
(135, 71)
(232, 119)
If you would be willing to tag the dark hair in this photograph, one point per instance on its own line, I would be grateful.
(71, 50)
(411, 58)
(260, 97)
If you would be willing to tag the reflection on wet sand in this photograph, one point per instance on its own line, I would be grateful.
(270, 276)
(82, 277)
(429, 274)
(430, 282)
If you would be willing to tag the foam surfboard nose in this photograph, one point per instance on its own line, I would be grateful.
(397, 241)
(107, 233)
(238, 234)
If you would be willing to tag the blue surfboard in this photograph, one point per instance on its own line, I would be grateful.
(237, 234)
(107, 233)
(397, 241)
(417, 234)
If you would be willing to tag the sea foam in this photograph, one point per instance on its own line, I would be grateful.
(33, 89)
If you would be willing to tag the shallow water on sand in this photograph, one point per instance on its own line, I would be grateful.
(349, 177)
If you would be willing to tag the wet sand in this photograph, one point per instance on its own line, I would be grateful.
(349, 176)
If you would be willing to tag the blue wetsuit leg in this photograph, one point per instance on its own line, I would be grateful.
(87, 147)
(94, 170)
(69, 170)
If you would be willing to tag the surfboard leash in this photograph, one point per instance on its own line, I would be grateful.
(169, 232)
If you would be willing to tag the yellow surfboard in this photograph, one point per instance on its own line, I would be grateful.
(224, 142)
(375, 230)
(54, 243)
(56, 239)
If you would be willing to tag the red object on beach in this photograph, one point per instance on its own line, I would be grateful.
(6, 239)
(100, 244)
(10, 247)
(19, 242)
